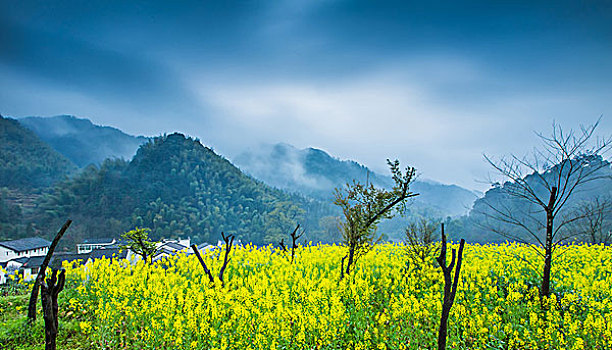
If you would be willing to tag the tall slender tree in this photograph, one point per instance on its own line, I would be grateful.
(531, 206)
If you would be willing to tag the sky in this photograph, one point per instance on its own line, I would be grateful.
(435, 84)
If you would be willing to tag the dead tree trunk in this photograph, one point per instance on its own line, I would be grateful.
(229, 240)
(206, 270)
(41, 273)
(49, 292)
(294, 237)
(545, 289)
(351, 257)
(450, 288)
(282, 245)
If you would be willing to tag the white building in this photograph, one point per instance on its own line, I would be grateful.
(3, 273)
(169, 247)
(26, 247)
(95, 243)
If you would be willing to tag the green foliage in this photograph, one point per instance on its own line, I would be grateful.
(137, 240)
(364, 206)
(17, 333)
(177, 188)
(27, 162)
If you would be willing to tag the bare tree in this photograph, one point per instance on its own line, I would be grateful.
(49, 292)
(531, 207)
(229, 241)
(420, 239)
(41, 272)
(450, 285)
(364, 206)
(595, 223)
(295, 235)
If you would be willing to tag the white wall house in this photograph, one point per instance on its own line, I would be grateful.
(110, 248)
(12, 268)
(94, 243)
(26, 247)
(2, 274)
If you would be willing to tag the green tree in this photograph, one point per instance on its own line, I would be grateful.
(137, 240)
(364, 206)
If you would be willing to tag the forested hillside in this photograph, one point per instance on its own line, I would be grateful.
(177, 187)
(27, 162)
(81, 141)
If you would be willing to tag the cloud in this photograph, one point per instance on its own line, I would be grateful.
(433, 84)
(414, 112)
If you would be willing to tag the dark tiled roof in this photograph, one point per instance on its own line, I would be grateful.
(99, 241)
(108, 253)
(174, 245)
(20, 260)
(25, 244)
(57, 260)
(114, 246)
(34, 261)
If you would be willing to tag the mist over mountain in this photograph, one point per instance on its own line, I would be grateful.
(81, 141)
(177, 187)
(27, 161)
(497, 202)
(315, 173)
(28, 167)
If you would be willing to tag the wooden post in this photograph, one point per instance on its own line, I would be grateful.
(450, 288)
(41, 273)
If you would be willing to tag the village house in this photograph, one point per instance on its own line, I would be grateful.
(25, 247)
(168, 247)
(95, 243)
(28, 267)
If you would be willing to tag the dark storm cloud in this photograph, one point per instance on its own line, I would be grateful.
(456, 77)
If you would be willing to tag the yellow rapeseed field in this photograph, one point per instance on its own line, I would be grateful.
(389, 302)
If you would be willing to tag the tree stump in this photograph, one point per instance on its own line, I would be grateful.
(48, 295)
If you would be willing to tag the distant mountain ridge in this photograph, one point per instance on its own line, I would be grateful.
(310, 171)
(177, 187)
(498, 200)
(81, 141)
(315, 173)
(27, 161)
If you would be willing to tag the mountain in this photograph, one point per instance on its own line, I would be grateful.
(315, 173)
(177, 187)
(27, 162)
(499, 203)
(81, 141)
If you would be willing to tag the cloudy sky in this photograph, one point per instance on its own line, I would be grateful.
(433, 83)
